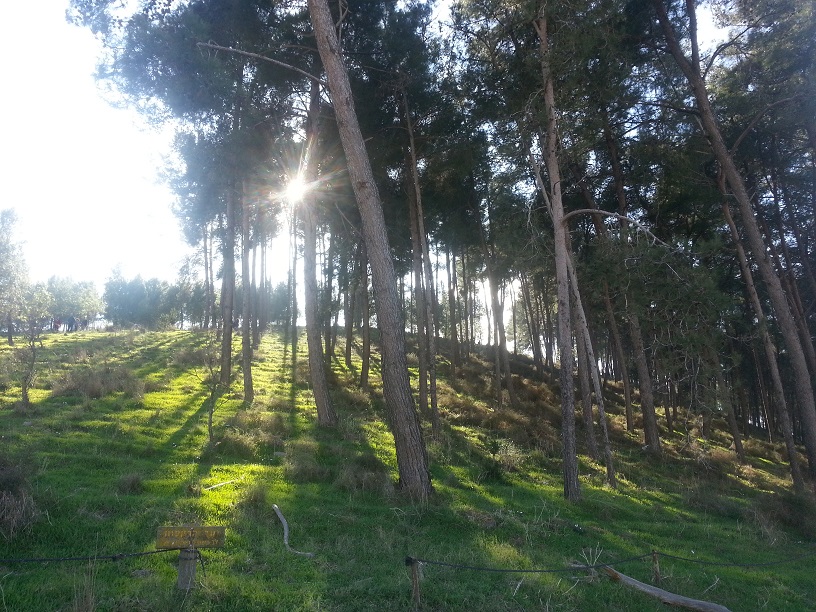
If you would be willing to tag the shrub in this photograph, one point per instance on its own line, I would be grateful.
(365, 473)
(96, 381)
(301, 465)
(130, 484)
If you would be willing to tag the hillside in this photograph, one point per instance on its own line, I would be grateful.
(116, 445)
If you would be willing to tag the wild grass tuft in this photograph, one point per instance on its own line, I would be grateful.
(131, 484)
(97, 381)
(18, 513)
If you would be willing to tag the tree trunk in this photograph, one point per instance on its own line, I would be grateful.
(351, 303)
(365, 303)
(422, 327)
(326, 306)
(246, 315)
(533, 324)
(572, 490)
(453, 333)
(207, 283)
(585, 343)
(228, 291)
(650, 430)
(412, 459)
(620, 358)
(429, 295)
(586, 401)
(326, 415)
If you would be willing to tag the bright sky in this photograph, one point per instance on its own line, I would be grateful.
(80, 174)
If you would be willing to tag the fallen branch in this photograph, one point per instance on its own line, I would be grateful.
(667, 598)
(220, 484)
(286, 533)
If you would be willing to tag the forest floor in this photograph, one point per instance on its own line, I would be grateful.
(116, 445)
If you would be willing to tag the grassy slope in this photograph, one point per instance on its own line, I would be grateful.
(106, 472)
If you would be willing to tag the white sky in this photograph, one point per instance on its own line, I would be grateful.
(80, 174)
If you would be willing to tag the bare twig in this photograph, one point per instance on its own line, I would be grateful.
(263, 58)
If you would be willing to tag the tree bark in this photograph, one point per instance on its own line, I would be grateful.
(453, 333)
(228, 291)
(412, 459)
(572, 490)
(246, 331)
(326, 416)
(427, 278)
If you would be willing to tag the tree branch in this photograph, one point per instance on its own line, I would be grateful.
(595, 211)
(756, 119)
(263, 59)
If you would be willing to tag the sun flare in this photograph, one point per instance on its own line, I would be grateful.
(295, 190)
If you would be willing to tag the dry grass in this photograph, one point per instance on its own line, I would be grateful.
(365, 473)
(96, 381)
(130, 484)
(302, 464)
(18, 513)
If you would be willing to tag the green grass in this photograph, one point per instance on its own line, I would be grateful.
(106, 464)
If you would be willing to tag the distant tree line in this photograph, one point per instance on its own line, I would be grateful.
(156, 304)
(62, 304)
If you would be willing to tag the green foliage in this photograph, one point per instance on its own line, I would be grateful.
(12, 267)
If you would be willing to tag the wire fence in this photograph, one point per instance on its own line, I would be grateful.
(653, 555)
(112, 557)
(415, 563)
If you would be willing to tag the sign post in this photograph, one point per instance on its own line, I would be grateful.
(188, 539)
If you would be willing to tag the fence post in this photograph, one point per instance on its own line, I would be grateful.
(656, 567)
(415, 594)
(187, 569)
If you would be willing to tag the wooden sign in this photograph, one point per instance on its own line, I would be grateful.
(190, 536)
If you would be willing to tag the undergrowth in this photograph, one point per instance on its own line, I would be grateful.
(116, 445)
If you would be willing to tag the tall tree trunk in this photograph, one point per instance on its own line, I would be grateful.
(207, 283)
(326, 415)
(228, 291)
(620, 359)
(467, 306)
(651, 433)
(293, 301)
(365, 304)
(453, 333)
(533, 324)
(422, 327)
(502, 354)
(326, 305)
(572, 489)
(412, 458)
(246, 314)
(802, 381)
(586, 401)
(585, 342)
(256, 300)
(351, 303)
(429, 295)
